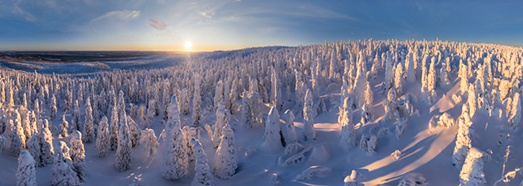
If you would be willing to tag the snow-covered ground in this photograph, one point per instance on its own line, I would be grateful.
(417, 114)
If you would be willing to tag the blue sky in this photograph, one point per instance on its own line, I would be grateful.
(232, 24)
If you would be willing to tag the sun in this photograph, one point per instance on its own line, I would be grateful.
(188, 45)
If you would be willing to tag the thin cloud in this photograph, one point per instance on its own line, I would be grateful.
(158, 24)
(124, 15)
(24, 14)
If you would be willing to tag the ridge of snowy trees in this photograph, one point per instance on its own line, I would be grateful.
(117, 110)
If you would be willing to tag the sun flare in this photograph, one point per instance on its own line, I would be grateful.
(188, 45)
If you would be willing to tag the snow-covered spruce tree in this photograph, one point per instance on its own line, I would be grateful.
(185, 101)
(431, 80)
(472, 171)
(348, 134)
(308, 118)
(388, 71)
(33, 146)
(176, 158)
(232, 96)
(26, 172)
(3, 142)
(276, 98)
(399, 78)
(463, 75)
(463, 142)
(251, 110)
(202, 176)
(197, 100)
(272, 138)
(123, 151)
(287, 130)
(364, 143)
(75, 123)
(63, 130)
(149, 142)
(102, 140)
(175, 153)
(114, 127)
(221, 121)
(411, 73)
(443, 75)
(46, 143)
(225, 160)
(62, 170)
(472, 101)
(151, 113)
(88, 129)
(372, 143)
(77, 153)
(134, 131)
(188, 134)
(218, 94)
(368, 94)
(53, 108)
(390, 104)
(366, 115)
(17, 136)
(515, 113)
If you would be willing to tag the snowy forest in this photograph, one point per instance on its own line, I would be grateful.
(343, 113)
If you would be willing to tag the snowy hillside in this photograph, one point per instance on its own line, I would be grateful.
(345, 113)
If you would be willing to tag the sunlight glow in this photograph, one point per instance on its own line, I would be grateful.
(188, 45)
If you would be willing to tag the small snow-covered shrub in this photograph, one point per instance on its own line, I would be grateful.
(353, 179)
(318, 154)
(396, 154)
(313, 171)
(413, 179)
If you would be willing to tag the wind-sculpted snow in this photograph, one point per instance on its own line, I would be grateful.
(354, 113)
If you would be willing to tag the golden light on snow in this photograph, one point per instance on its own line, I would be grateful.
(188, 45)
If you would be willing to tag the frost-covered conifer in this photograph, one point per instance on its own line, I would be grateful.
(17, 136)
(371, 144)
(368, 94)
(272, 138)
(77, 153)
(203, 174)
(176, 158)
(53, 106)
(185, 101)
(221, 121)
(149, 142)
(431, 80)
(26, 172)
(151, 113)
(411, 73)
(63, 130)
(46, 143)
(123, 151)
(62, 170)
(114, 126)
(308, 118)
(218, 94)
(463, 142)
(102, 140)
(3, 142)
(225, 160)
(88, 130)
(472, 171)
(399, 78)
(276, 98)
(388, 71)
(287, 130)
(348, 134)
(33, 146)
(197, 100)
(134, 132)
(515, 113)
(75, 122)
